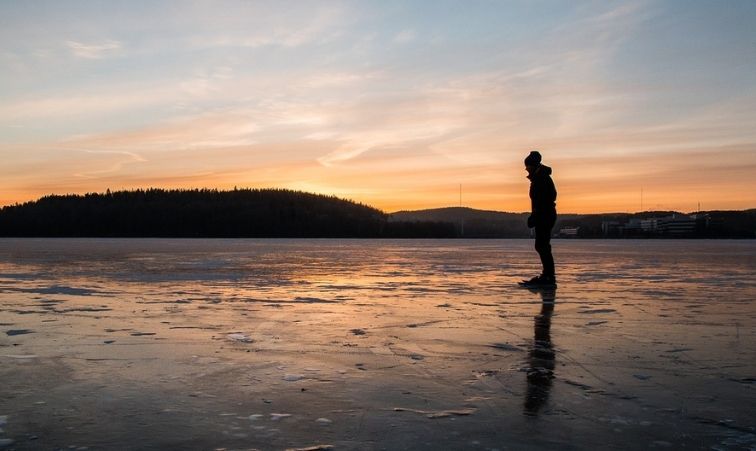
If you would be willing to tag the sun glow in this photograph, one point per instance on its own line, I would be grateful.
(392, 107)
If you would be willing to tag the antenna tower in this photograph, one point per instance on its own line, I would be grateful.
(461, 219)
(641, 199)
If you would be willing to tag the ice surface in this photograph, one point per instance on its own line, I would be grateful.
(370, 344)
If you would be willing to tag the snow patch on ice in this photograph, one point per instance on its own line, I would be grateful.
(312, 300)
(239, 337)
(312, 448)
(439, 413)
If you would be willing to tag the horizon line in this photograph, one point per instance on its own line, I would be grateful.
(358, 202)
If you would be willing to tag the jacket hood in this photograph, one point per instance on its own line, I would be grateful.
(542, 171)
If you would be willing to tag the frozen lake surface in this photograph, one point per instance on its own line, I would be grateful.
(376, 344)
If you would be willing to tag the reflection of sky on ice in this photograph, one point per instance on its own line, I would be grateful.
(425, 342)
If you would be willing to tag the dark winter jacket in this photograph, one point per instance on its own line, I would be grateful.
(542, 197)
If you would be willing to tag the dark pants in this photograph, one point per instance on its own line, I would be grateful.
(543, 244)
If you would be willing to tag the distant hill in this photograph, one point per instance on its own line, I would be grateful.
(206, 213)
(471, 223)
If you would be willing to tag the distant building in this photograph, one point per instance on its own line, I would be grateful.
(677, 225)
(610, 228)
(568, 232)
(631, 228)
(650, 225)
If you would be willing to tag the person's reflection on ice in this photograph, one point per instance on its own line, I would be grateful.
(540, 370)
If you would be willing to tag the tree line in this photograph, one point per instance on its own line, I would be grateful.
(263, 213)
(281, 213)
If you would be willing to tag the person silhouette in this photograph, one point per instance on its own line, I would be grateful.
(542, 216)
(541, 357)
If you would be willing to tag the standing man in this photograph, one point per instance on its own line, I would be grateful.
(542, 217)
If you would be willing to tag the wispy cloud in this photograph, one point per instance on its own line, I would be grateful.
(269, 26)
(406, 121)
(93, 51)
(111, 167)
(209, 131)
(77, 103)
(339, 79)
(405, 36)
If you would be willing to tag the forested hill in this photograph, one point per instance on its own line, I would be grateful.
(473, 223)
(205, 213)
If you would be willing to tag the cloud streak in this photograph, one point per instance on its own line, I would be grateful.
(94, 51)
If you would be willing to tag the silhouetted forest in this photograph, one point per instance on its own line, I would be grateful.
(272, 213)
(207, 213)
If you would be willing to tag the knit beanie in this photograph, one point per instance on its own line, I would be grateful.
(533, 159)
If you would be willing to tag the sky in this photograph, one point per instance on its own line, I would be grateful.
(396, 104)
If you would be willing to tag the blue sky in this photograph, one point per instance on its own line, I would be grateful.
(390, 103)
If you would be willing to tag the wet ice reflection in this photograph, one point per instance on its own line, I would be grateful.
(541, 355)
(256, 343)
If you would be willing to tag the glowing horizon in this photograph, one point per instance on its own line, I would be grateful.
(391, 104)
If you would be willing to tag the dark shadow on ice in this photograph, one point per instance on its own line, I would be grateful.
(540, 370)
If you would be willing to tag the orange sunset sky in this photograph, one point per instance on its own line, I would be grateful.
(391, 103)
